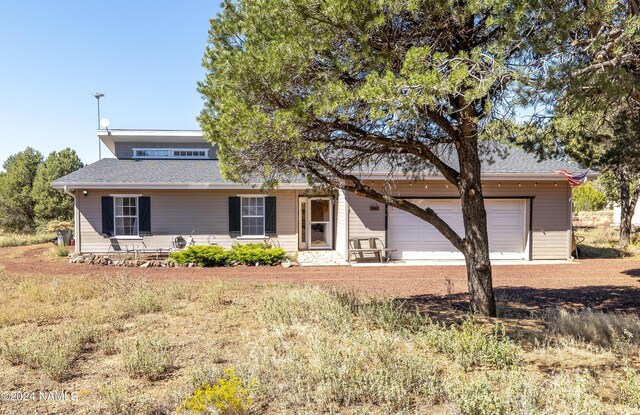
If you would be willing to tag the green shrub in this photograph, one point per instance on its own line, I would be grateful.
(256, 254)
(245, 254)
(202, 255)
(62, 251)
(229, 395)
(587, 197)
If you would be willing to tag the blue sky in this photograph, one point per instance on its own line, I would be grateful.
(145, 56)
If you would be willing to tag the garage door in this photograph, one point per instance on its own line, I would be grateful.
(416, 239)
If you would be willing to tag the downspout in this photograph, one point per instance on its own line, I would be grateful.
(76, 222)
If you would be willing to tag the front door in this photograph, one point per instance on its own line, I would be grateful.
(316, 223)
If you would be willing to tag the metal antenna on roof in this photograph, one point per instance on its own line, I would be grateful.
(98, 95)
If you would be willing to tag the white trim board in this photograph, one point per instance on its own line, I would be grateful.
(173, 186)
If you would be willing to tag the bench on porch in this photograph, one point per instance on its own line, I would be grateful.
(136, 249)
(375, 246)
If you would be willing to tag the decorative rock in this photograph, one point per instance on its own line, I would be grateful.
(145, 262)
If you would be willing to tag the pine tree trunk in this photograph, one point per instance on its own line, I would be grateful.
(625, 226)
(628, 202)
(476, 247)
(626, 214)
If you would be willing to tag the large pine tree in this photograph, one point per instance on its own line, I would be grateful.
(328, 88)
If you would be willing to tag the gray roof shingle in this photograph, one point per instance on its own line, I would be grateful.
(519, 161)
(207, 172)
(506, 159)
(112, 170)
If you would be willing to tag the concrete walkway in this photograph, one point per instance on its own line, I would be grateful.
(320, 258)
(332, 258)
(458, 262)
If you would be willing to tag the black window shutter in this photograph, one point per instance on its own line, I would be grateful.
(270, 216)
(107, 215)
(234, 216)
(144, 207)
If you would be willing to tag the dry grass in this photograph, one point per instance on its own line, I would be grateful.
(21, 239)
(596, 327)
(54, 352)
(149, 357)
(132, 346)
(603, 243)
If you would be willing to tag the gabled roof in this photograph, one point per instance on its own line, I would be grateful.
(161, 174)
(205, 174)
(500, 159)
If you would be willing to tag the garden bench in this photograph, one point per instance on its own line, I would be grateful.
(136, 250)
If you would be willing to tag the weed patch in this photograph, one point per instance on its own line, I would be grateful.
(53, 352)
(470, 345)
(596, 327)
(148, 357)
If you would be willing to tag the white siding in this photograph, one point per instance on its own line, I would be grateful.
(364, 222)
(341, 225)
(201, 213)
(617, 215)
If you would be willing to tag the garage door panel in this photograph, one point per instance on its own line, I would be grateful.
(408, 234)
(416, 239)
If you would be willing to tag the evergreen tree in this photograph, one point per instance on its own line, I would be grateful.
(53, 203)
(16, 204)
(330, 88)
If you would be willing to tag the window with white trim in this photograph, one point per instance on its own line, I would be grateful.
(252, 216)
(126, 215)
(168, 153)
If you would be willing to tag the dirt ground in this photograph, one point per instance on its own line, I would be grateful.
(608, 284)
(208, 327)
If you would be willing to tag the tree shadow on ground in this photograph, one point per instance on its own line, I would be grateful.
(633, 272)
(590, 251)
(522, 308)
(527, 302)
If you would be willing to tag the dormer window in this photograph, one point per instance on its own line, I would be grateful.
(170, 153)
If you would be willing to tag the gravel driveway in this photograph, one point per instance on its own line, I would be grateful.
(597, 283)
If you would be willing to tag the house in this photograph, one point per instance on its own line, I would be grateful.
(617, 214)
(167, 183)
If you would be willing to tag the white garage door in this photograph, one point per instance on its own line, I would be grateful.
(416, 239)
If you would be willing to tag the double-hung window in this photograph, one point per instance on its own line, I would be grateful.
(252, 216)
(126, 215)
